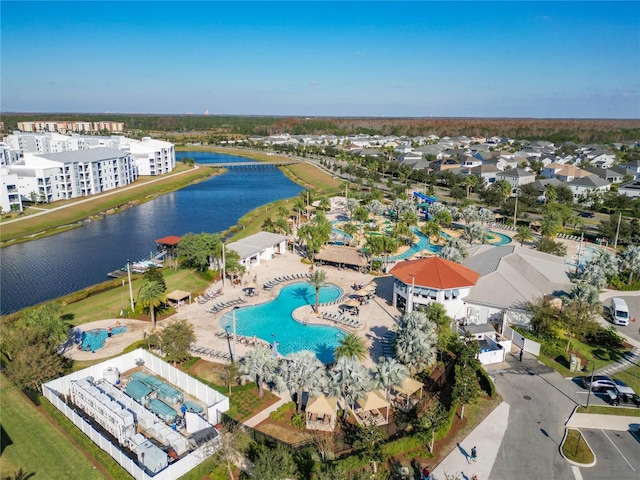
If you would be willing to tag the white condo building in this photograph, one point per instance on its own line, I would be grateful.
(47, 167)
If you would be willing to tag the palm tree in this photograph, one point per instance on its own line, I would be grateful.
(580, 307)
(470, 182)
(351, 345)
(317, 280)
(300, 372)
(389, 373)
(630, 261)
(20, 475)
(473, 232)
(349, 380)
(416, 350)
(524, 234)
(431, 229)
(259, 366)
(452, 251)
(470, 214)
(151, 295)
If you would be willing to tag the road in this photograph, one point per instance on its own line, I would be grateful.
(541, 401)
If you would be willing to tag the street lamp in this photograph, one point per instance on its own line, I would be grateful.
(413, 287)
(515, 210)
(233, 317)
(130, 286)
(593, 367)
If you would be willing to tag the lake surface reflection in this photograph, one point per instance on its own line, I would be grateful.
(48, 268)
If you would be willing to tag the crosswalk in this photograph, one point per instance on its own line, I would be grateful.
(630, 359)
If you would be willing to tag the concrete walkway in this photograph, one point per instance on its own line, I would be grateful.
(487, 438)
(264, 414)
(603, 422)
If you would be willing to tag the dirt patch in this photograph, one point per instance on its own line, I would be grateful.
(282, 431)
(208, 371)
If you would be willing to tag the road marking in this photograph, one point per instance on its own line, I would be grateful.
(576, 472)
(614, 446)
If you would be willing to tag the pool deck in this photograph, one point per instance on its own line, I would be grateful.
(378, 317)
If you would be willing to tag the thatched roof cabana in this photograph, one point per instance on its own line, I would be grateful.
(178, 296)
(340, 255)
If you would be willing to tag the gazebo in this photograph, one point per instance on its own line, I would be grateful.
(404, 397)
(343, 256)
(322, 413)
(178, 296)
(369, 408)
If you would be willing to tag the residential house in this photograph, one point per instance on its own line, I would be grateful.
(630, 189)
(588, 185)
(611, 175)
(486, 171)
(632, 168)
(541, 187)
(564, 173)
(516, 177)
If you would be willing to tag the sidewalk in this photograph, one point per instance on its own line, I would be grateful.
(264, 414)
(487, 437)
(603, 422)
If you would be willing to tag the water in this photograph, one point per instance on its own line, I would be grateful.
(94, 339)
(40, 270)
(273, 321)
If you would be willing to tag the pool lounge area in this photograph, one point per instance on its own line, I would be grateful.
(273, 322)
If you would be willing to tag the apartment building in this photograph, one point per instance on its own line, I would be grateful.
(60, 176)
(67, 127)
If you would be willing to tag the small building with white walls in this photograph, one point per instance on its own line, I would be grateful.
(257, 247)
(420, 282)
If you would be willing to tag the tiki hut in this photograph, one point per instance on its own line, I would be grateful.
(341, 256)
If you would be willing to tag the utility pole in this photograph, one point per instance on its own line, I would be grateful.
(579, 252)
(515, 211)
(615, 242)
(130, 286)
(593, 367)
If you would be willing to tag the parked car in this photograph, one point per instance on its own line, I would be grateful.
(600, 383)
(587, 214)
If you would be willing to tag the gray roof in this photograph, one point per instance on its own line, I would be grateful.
(255, 243)
(589, 181)
(85, 156)
(512, 275)
(516, 173)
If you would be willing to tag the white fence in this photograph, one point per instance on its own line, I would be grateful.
(54, 390)
(519, 341)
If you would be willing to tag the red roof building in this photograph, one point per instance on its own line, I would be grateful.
(170, 241)
(432, 279)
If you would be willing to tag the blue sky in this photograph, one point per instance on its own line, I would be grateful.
(419, 59)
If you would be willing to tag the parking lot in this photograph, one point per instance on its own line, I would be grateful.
(633, 302)
(617, 455)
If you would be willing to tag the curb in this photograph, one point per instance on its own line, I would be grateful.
(572, 462)
(564, 437)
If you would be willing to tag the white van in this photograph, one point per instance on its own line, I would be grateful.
(619, 312)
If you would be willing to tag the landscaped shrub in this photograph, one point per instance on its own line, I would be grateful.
(280, 414)
(401, 445)
(299, 421)
(187, 364)
(446, 428)
(486, 384)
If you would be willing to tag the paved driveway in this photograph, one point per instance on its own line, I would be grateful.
(617, 455)
(540, 402)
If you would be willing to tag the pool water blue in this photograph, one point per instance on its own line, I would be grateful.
(273, 321)
(94, 339)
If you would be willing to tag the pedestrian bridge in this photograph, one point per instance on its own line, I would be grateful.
(248, 165)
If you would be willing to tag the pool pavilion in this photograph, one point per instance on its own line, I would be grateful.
(418, 283)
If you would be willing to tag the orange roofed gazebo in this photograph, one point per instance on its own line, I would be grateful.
(434, 279)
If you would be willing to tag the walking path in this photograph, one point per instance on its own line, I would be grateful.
(487, 437)
(597, 421)
(629, 360)
(264, 414)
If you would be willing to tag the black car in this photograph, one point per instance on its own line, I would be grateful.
(587, 214)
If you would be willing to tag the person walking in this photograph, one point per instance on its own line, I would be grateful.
(474, 454)
(521, 353)
(426, 475)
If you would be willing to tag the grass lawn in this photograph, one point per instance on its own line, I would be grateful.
(108, 303)
(244, 400)
(630, 376)
(313, 178)
(30, 442)
(576, 449)
(619, 411)
(107, 202)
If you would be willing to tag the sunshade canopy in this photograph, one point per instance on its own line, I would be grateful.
(322, 405)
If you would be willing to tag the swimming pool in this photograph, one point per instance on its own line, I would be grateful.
(94, 339)
(273, 321)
